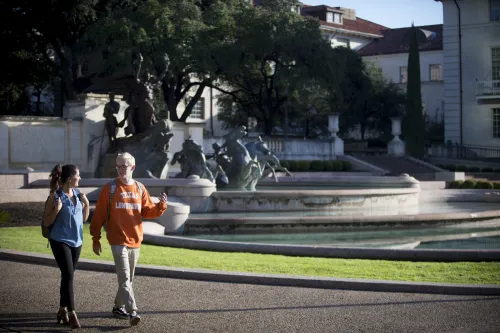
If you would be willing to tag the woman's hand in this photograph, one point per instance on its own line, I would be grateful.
(163, 198)
(58, 204)
(84, 199)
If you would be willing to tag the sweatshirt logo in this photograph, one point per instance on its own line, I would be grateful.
(128, 205)
(127, 195)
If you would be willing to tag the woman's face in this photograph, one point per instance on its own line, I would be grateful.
(74, 180)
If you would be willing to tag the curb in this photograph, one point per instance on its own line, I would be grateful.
(266, 279)
(324, 251)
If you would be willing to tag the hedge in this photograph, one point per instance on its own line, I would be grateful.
(463, 168)
(472, 184)
(316, 165)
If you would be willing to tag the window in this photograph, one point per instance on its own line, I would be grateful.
(496, 123)
(436, 72)
(333, 17)
(403, 74)
(296, 9)
(329, 17)
(343, 42)
(336, 18)
(495, 10)
(198, 111)
(495, 63)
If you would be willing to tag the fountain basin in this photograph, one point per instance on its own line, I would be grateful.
(300, 200)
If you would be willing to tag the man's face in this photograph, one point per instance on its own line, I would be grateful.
(124, 168)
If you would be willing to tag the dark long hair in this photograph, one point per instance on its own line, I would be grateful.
(60, 175)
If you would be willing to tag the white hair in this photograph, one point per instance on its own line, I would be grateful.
(127, 157)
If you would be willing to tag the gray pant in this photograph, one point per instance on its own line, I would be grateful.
(125, 261)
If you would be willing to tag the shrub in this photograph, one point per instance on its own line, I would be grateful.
(456, 184)
(337, 165)
(303, 165)
(497, 170)
(496, 186)
(318, 165)
(474, 169)
(450, 167)
(469, 183)
(484, 185)
(346, 165)
(487, 169)
(285, 164)
(461, 168)
(328, 165)
(292, 165)
(4, 216)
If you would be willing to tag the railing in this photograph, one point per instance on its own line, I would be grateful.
(488, 89)
(464, 152)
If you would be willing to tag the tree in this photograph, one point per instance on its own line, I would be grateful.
(59, 26)
(186, 30)
(275, 53)
(413, 122)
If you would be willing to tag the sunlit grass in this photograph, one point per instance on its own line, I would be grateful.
(29, 239)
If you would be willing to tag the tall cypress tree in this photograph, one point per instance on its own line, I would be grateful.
(414, 123)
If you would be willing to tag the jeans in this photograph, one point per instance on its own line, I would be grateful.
(125, 261)
(66, 257)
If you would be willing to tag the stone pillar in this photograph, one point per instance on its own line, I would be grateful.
(333, 127)
(396, 147)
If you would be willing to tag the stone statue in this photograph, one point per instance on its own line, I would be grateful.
(235, 163)
(150, 150)
(140, 115)
(110, 109)
(192, 161)
(268, 162)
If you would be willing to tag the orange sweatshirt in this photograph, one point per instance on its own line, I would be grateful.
(124, 226)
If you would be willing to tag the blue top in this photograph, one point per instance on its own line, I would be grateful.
(68, 225)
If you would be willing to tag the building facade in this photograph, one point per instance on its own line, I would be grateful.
(472, 72)
(390, 53)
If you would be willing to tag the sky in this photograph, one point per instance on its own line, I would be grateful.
(391, 13)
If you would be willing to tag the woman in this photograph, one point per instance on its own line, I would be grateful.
(65, 211)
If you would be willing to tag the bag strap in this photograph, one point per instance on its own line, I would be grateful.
(140, 186)
(112, 190)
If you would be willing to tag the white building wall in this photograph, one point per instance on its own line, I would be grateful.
(479, 35)
(432, 91)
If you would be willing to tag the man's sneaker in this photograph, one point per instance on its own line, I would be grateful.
(120, 313)
(134, 318)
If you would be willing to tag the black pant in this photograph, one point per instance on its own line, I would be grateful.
(66, 258)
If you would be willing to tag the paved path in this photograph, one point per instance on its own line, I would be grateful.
(29, 299)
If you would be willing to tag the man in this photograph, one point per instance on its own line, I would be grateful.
(122, 204)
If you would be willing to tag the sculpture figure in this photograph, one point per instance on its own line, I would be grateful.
(192, 161)
(235, 163)
(268, 162)
(110, 109)
(140, 115)
(150, 150)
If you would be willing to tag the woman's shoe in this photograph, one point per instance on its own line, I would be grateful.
(62, 315)
(73, 320)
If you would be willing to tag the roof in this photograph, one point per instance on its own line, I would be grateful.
(357, 25)
(396, 41)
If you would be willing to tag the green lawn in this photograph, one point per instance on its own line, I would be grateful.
(29, 239)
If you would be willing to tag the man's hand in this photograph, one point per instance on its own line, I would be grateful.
(163, 198)
(97, 249)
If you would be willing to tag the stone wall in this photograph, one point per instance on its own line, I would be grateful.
(78, 138)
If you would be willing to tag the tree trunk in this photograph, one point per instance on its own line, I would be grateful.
(189, 108)
(170, 101)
